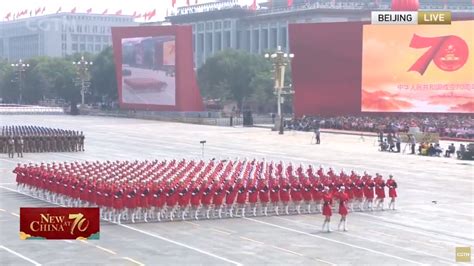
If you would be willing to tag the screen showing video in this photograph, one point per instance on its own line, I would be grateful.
(148, 70)
(418, 68)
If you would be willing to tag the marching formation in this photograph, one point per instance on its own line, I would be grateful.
(194, 189)
(19, 139)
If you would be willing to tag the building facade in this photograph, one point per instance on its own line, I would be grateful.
(226, 24)
(58, 35)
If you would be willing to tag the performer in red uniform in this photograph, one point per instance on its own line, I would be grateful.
(285, 193)
(327, 211)
(392, 191)
(263, 194)
(343, 199)
(231, 194)
(218, 198)
(307, 187)
(296, 195)
(206, 198)
(253, 196)
(369, 193)
(241, 197)
(275, 194)
(380, 192)
(184, 198)
(359, 192)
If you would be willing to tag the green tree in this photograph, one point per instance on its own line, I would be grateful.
(232, 75)
(103, 78)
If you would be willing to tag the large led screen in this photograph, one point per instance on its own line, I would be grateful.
(419, 68)
(148, 70)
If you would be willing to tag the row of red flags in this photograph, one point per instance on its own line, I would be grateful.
(39, 11)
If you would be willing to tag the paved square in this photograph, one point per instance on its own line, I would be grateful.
(434, 216)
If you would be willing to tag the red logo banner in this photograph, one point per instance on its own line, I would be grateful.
(449, 53)
(59, 223)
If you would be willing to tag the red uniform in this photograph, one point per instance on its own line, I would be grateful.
(285, 192)
(230, 194)
(219, 194)
(392, 188)
(207, 194)
(359, 189)
(253, 193)
(296, 191)
(263, 192)
(275, 192)
(327, 198)
(343, 198)
(184, 196)
(307, 189)
(241, 194)
(196, 195)
(118, 201)
(380, 189)
(369, 189)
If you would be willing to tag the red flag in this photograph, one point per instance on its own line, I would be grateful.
(105, 12)
(152, 14)
(119, 12)
(173, 3)
(7, 17)
(89, 10)
(25, 12)
(290, 3)
(73, 10)
(134, 14)
(37, 11)
(59, 10)
(254, 5)
(44, 9)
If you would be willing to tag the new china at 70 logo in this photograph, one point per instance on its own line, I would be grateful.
(449, 53)
(59, 223)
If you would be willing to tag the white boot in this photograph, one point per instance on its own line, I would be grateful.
(220, 212)
(298, 209)
(243, 211)
(265, 211)
(146, 216)
(255, 211)
(324, 225)
(286, 209)
(276, 210)
(345, 226)
(339, 225)
(309, 208)
(329, 227)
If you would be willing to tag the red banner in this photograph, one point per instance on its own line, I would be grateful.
(59, 223)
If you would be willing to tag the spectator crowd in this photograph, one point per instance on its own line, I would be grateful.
(447, 125)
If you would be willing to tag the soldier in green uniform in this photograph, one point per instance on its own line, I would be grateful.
(19, 146)
(11, 147)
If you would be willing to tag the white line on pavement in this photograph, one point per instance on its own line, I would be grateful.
(134, 261)
(380, 242)
(21, 256)
(106, 250)
(286, 250)
(335, 241)
(180, 244)
(251, 240)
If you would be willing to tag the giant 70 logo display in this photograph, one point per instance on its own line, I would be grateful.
(449, 53)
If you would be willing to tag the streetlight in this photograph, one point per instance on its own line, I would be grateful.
(280, 60)
(20, 68)
(82, 68)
